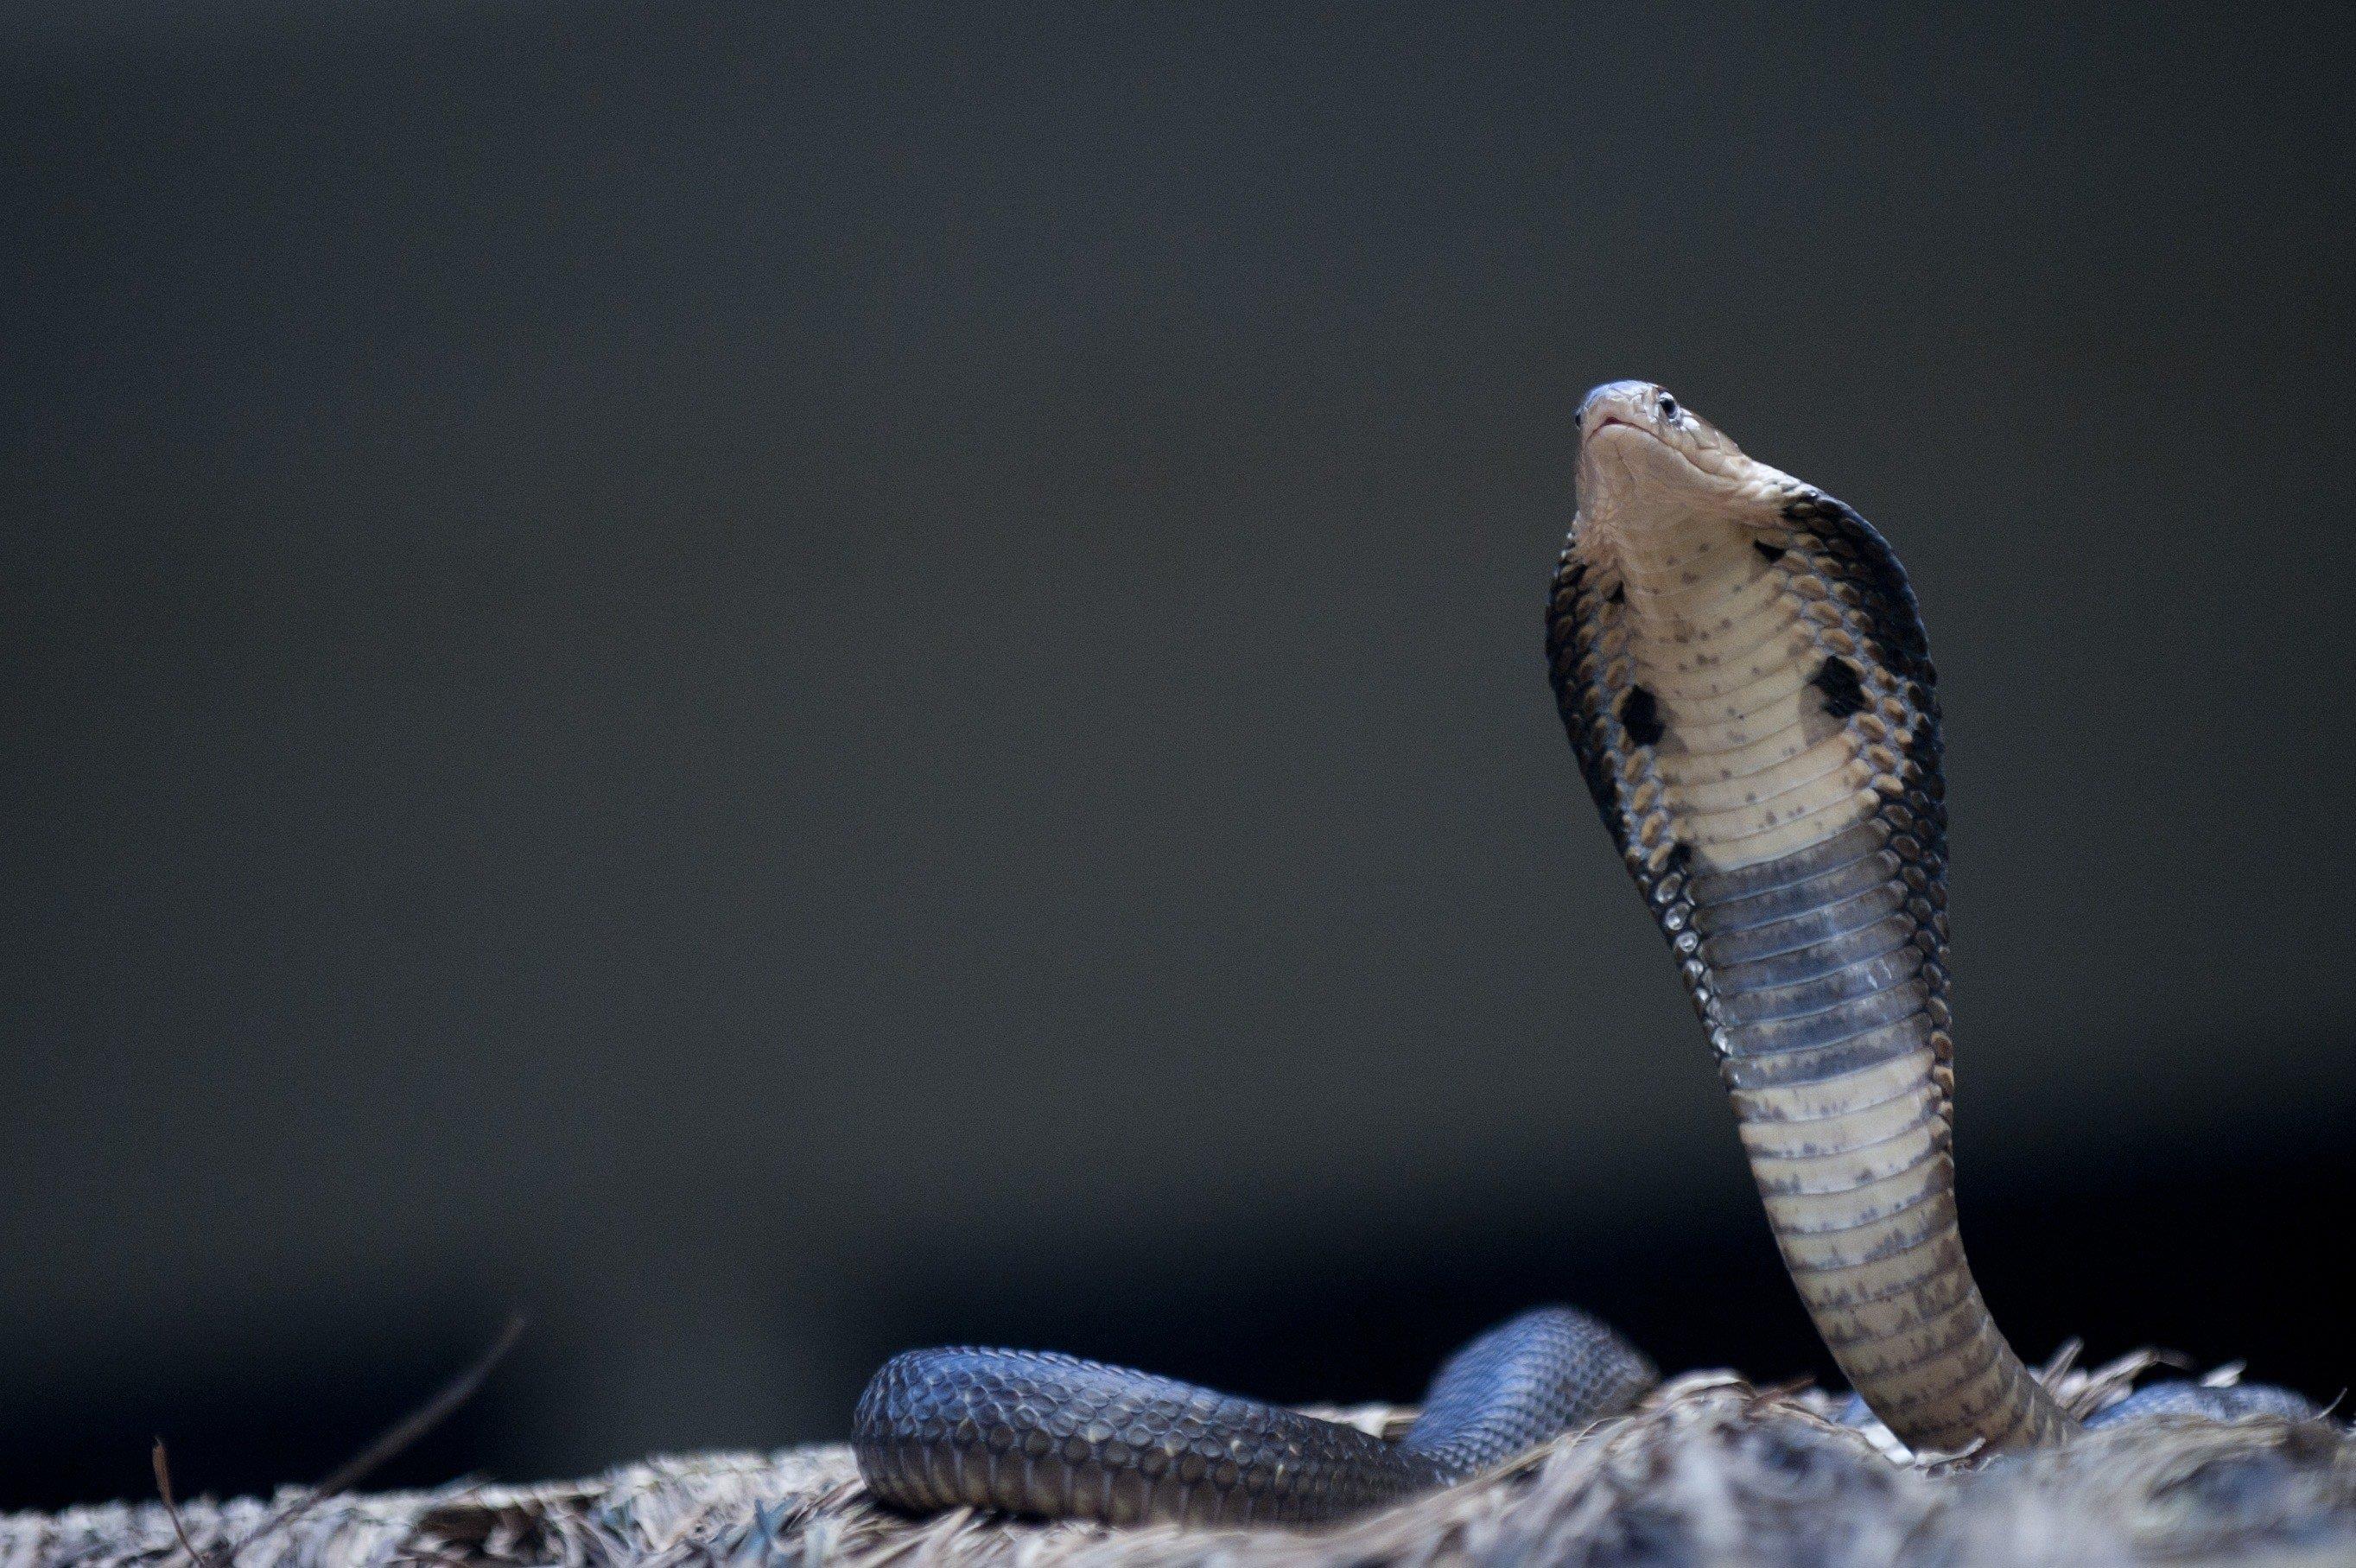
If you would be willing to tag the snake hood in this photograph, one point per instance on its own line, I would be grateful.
(1741, 668)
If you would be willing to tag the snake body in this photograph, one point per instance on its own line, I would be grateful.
(1741, 668)
(1056, 1435)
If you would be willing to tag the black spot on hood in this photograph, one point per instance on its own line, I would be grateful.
(1844, 694)
(1641, 715)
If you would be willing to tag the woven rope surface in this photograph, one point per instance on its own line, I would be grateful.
(1707, 1470)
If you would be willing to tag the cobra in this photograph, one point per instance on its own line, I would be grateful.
(1741, 667)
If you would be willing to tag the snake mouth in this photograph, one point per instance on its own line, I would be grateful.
(1609, 423)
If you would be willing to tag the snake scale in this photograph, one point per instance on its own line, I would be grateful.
(1741, 668)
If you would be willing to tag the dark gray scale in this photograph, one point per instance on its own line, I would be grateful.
(2239, 1401)
(1856, 862)
(1579, 691)
(1056, 1436)
(1797, 933)
(1778, 1066)
(1597, 710)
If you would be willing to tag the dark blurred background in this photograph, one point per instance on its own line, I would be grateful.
(779, 682)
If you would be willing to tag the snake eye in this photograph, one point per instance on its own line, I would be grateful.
(1668, 406)
(1577, 418)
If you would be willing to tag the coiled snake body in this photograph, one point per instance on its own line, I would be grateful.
(1741, 668)
(1060, 1436)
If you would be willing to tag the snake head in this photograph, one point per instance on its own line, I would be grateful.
(1639, 445)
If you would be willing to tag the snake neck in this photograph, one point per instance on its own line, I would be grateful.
(1747, 691)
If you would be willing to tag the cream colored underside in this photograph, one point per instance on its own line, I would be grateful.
(1756, 769)
(1748, 768)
